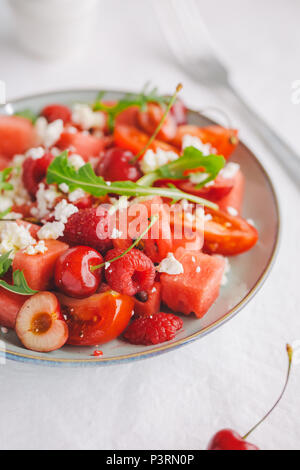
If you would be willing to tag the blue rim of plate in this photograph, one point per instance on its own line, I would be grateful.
(165, 347)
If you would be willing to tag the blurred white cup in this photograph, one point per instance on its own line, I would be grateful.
(54, 29)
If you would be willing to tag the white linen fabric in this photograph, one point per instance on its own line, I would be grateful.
(232, 376)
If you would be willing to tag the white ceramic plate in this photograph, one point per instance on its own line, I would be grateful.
(248, 271)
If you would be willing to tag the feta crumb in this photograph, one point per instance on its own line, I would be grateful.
(85, 117)
(51, 231)
(118, 204)
(35, 153)
(116, 234)
(14, 237)
(45, 200)
(64, 188)
(193, 259)
(198, 269)
(170, 265)
(207, 217)
(4, 330)
(49, 133)
(107, 265)
(5, 203)
(63, 211)
(232, 211)
(75, 195)
(39, 247)
(197, 178)
(251, 222)
(76, 161)
(153, 290)
(151, 160)
(229, 170)
(193, 141)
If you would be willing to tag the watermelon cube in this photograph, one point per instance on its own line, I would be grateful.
(235, 197)
(85, 145)
(197, 288)
(10, 305)
(152, 305)
(39, 269)
(17, 135)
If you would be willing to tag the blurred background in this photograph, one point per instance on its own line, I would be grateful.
(259, 41)
(228, 379)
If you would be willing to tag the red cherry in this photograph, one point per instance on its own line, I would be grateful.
(116, 165)
(179, 112)
(229, 440)
(57, 111)
(34, 171)
(73, 276)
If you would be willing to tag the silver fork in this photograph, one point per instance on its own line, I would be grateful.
(192, 46)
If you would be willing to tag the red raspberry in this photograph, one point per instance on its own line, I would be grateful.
(57, 111)
(153, 330)
(89, 227)
(131, 274)
(34, 171)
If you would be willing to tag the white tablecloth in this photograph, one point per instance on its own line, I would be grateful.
(231, 377)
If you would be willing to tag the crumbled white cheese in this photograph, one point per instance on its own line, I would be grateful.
(153, 290)
(45, 200)
(229, 170)
(12, 216)
(49, 133)
(75, 195)
(198, 269)
(193, 141)
(193, 259)
(118, 204)
(14, 237)
(5, 203)
(107, 265)
(116, 234)
(35, 153)
(199, 177)
(63, 211)
(207, 217)
(153, 160)
(72, 130)
(85, 117)
(170, 265)
(76, 161)
(51, 231)
(4, 330)
(18, 160)
(64, 188)
(232, 211)
(251, 222)
(36, 249)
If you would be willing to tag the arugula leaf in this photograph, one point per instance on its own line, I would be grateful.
(27, 114)
(4, 213)
(129, 99)
(19, 285)
(192, 159)
(4, 185)
(5, 263)
(61, 171)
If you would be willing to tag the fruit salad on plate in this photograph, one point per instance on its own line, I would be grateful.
(117, 219)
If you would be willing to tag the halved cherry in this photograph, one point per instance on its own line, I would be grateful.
(228, 235)
(130, 138)
(40, 325)
(73, 275)
(149, 120)
(96, 319)
(116, 165)
(223, 140)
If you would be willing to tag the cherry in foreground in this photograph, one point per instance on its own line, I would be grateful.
(228, 439)
(40, 324)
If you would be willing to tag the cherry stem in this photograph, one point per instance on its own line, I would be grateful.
(153, 137)
(153, 219)
(289, 350)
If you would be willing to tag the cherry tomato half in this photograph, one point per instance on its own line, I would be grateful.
(130, 138)
(228, 235)
(96, 319)
(223, 140)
